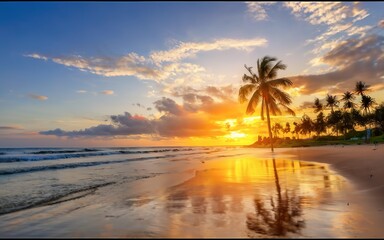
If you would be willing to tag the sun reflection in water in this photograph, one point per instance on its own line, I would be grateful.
(252, 197)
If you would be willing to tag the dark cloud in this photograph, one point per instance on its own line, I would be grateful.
(222, 93)
(124, 124)
(10, 128)
(306, 105)
(355, 60)
(168, 105)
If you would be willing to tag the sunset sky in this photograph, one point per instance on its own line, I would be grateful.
(168, 73)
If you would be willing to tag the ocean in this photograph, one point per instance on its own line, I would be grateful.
(34, 176)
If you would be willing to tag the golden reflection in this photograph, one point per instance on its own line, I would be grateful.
(259, 197)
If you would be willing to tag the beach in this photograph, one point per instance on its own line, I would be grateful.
(330, 191)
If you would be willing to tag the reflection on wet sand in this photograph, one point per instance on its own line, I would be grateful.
(279, 216)
(249, 197)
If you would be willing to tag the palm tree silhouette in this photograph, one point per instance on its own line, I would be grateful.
(331, 101)
(361, 88)
(318, 105)
(348, 98)
(265, 87)
(366, 102)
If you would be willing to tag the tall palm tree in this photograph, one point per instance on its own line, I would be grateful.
(318, 105)
(263, 86)
(348, 98)
(331, 101)
(361, 88)
(367, 102)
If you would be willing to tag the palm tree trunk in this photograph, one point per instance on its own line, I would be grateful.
(269, 125)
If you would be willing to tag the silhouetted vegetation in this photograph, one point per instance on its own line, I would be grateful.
(262, 86)
(354, 110)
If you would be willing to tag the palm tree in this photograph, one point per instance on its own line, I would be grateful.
(320, 124)
(361, 88)
(287, 128)
(318, 105)
(367, 103)
(265, 87)
(331, 101)
(348, 98)
(306, 125)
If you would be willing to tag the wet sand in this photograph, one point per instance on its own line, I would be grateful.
(303, 192)
(362, 164)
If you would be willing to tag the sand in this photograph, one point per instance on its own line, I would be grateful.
(362, 164)
(341, 196)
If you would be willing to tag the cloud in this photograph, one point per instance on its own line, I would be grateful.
(196, 117)
(328, 13)
(158, 66)
(257, 10)
(129, 65)
(124, 124)
(339, 19)
(353, 60)
(36, 56)
(107, 92)
(168, 106)
(38, 97)
(381, 23)
(81, 91)
(10, 128)
(189, 49)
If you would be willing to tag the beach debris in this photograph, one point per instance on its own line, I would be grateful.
(348, 203)
(371, 175)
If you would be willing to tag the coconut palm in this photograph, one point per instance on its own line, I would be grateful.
(331, 101)
(348, 98)
(262, 86)
(367, 104)
(361, 88)
(318, 105)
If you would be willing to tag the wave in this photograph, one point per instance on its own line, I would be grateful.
(66, 151)
(49, 200)
(43, 155)
(74, 165)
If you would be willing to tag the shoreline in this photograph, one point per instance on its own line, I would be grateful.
(363, 165)
(195, 198)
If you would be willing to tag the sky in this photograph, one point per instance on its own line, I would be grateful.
(83, 74)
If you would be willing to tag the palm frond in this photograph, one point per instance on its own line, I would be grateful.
(361, 88)
(281, 96)
(284, 82)
(273, 72)
(265, 66)
(273, 106)
(253, 102)
(244, 92)
(249, 79)
(288, 110)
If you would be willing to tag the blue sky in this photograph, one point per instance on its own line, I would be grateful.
(73, 65)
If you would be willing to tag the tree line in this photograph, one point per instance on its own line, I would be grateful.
(354, 109)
